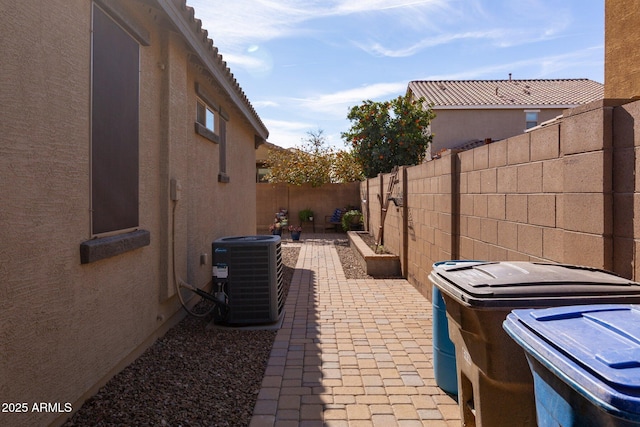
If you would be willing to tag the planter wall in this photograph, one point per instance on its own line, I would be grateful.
(376, 265)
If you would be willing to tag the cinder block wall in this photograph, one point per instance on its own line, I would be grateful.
(321, 200)
(563, 193)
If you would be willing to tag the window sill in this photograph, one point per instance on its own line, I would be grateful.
(107, 247)
(206, 133)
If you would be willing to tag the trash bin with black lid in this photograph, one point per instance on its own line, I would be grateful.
(444, 351)
(495, 385)
(585, 362)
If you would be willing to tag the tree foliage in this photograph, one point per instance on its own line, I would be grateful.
(314, 162)
(389, 133)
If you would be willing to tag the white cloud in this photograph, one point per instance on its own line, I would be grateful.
(531, 68)
(377, 49)
(338, 102)
(235, 25)
(265, 104)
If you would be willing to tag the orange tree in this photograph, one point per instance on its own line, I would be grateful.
(385, 134)
(312, 163)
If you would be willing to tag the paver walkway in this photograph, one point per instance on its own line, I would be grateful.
(351, 353)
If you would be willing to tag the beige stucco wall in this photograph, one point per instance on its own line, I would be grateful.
(453, 127)
(65, 327)
(622, 58)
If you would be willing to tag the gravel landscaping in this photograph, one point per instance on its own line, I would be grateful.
(194, 375)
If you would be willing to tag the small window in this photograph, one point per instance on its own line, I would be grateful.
(262, 172)
(531, 118)
(206, 116)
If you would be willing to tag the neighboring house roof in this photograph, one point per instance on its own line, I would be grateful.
(470, 94)
(183, 18)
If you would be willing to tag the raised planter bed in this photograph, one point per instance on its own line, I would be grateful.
(376, 265)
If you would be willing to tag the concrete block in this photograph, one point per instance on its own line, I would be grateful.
(466, 161)
(518, 149)
(545, 143)
(584, 132)
(623, 214)
(624, 176)
(627, 130)
(530, 240)
(473, 231)
(489, 230)
(463, 229)
(481, 157)
(445, 165)
(560, 210)
(496, 206)
(445, 222)
(586, 213)
(473, 182)
(530, 178)
(443, 202)
(508, 235)
(466, 204)
(480, 205)
(445, 183)
(462, 183)
(507, 178)
(553, 176)
(516, 207)
(480, 250)
(542, 209)
(496, 253)
(466, 248)
(585, 249)
(443, 241)
(583, 173)
(497, 154)
(488, 181)
(553, 244)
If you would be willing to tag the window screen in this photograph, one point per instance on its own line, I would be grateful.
(114, 130)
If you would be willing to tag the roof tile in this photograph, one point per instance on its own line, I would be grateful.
(477, 93)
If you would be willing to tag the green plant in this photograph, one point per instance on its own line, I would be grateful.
(305, 215)
(386, 134)
(351, 218)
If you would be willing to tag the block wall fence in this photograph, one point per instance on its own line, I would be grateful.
(323, 200)
(563, 193)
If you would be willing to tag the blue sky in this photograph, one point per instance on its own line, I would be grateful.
(304, 63)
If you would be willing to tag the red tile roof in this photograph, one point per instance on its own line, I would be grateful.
(559, 93)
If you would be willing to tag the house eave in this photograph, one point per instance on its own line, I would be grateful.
(505, 107)
(216, 67)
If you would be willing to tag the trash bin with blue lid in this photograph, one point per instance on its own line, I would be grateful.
(495, 384)
(585, 362)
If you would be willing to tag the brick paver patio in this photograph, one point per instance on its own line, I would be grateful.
(351, 353)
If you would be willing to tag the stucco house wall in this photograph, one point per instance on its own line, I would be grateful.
(481, 124)
(621, 71)
(66, 327)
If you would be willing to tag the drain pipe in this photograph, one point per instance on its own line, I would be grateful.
(175, 192)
